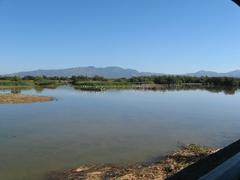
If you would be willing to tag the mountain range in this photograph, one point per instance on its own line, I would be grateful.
(113, 72)
(235, 74)
(90, 71)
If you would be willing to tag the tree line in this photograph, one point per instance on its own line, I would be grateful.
(165, 79)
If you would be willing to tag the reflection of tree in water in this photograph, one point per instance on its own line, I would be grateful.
(226, 90)
(15, 91)
(38, 89)
(216, 89)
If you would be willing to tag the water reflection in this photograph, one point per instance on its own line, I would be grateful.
(161, 88)
(15, 91)
(164, 88)
(111, 126)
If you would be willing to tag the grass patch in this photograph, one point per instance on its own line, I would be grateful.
(11, 83)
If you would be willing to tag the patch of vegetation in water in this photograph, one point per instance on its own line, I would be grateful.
(29, 82)
(214, 84)
(16, 83)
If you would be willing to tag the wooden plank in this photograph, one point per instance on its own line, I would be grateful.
(230, 169)
(237, 2)
(206, 165)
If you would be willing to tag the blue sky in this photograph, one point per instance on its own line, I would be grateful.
(166, 36)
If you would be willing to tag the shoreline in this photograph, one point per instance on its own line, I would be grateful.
(23, 99)
(159, 169)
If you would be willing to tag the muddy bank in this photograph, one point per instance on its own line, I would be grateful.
(20, 98)
(160, 169)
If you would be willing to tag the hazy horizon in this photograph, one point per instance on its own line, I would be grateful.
(122, 68)
(149, 36)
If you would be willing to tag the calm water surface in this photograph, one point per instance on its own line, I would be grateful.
(125, 126)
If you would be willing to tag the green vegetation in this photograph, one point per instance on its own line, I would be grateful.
(30, 82)
(209, 81)
(99, 83)
(166, 80)
(15, 81)
(153, 82)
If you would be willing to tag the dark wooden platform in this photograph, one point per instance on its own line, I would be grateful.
(206, 165)
(237, 2)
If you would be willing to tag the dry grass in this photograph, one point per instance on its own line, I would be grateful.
(158, 170)
(20, 98)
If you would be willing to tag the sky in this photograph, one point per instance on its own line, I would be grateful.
(176, 36)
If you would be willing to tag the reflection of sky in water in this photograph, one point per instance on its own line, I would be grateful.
(113, 126)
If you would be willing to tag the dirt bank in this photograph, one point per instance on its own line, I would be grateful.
(20, 98)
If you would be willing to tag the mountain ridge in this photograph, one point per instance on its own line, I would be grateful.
(235, 73)
(114, 72)
(107, 72)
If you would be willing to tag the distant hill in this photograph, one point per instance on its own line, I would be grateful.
(113, 72)
(107, 72)
(235, 73)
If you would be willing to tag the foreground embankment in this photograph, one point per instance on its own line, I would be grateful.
(160, 169)
(20, 98)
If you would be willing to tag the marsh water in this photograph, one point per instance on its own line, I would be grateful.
(115, 126)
